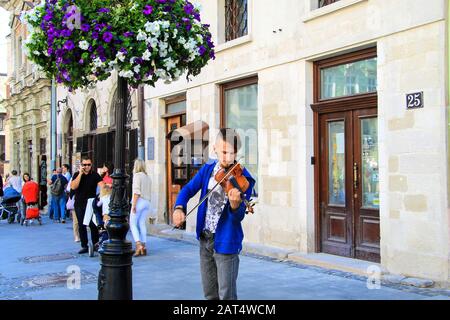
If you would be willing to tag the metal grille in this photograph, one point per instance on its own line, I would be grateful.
(323, 3)
(49, 258)
(236, 19)
(93, 117)
(129, 114)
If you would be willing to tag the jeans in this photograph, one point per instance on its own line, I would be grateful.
(58, 203)
(137, 221)
(80, 210)
(219, 272)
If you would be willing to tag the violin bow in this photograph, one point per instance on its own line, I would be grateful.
(212, 189)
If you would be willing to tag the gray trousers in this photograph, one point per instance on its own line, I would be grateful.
(219, 272)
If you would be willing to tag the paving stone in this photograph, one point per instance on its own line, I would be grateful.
(415, 282)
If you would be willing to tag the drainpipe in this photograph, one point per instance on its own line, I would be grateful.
(141, 118)
(53, 125)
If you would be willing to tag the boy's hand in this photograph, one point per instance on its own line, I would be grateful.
(234, 195)
(178, 217)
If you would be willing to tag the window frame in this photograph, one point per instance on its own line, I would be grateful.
(337, 61)
(234, 36)
(229, 86)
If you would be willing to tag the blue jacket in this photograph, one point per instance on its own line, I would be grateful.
(229, 234)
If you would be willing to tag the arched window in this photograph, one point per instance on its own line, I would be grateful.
(129, 114)
(93, 117)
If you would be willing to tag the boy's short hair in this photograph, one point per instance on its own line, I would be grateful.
(231, 136)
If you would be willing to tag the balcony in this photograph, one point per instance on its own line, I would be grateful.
(323, 3)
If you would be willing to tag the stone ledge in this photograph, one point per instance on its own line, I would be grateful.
(329, 261)
(259, 249)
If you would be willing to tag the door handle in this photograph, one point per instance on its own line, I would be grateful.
(355, 177)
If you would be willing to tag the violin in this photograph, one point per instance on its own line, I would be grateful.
(230, 178)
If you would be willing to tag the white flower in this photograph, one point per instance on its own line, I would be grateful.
(153, 42)
(137, 68)
(165, 24)
(146, 56)
(153, 28)
(170, 64)
(163, 53)
(98, 63)
(182, 41)
(36, 53)
(198, 7)
(121, 56)
(175, 33)
(141, 36)
(126, 74)
(84, 45)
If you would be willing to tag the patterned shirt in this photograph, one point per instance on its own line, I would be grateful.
(216, 202)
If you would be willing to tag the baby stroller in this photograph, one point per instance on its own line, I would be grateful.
(8, 206)
(30, 192)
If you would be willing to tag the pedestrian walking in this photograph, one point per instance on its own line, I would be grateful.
(140, 206)
(51, 204)
(66, 173)
(219, 228)
(58, 190)
(43, 183)
(85, 183)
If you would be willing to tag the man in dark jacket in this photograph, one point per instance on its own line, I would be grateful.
(84, 183)
(219, 228)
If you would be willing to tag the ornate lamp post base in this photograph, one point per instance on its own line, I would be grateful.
(115, 276)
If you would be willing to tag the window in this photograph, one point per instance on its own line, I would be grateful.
(129, 114)
(236, 19)
(93, 117)
(348, 78)
(323, 3)
(1, 124)
(240, 112)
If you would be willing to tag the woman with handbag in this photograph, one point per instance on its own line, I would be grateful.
(70, 205)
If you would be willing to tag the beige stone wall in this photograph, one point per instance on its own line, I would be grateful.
(414, 218)
(281, 51)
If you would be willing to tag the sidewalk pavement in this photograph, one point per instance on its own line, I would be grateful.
(37, 262)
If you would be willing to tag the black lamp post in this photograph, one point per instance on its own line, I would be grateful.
(115, 277)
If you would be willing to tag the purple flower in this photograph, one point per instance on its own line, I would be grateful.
(95, 35)
(212, 55)
(138, 60)
(85, 27)
(81, 61)
(66, 75)
(68, 45)
(189, 8)
(167, 8)
(201, 50)
(123, 50)
(107, 37)
(104, 10)
(161, 1)
(148, 10)
(128, 34)
(66, 33)
(50, 51)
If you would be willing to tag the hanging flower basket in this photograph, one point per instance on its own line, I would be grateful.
(80, 42)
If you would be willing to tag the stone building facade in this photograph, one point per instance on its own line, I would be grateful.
(343, 105)
(27, 102)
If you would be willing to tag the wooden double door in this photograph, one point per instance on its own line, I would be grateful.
(349, 219)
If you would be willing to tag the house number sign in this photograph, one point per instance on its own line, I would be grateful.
(414, 100)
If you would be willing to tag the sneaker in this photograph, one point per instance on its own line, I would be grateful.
(83, 250)
(63, 221)
(77, 240)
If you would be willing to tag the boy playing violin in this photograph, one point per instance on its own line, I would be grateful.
(219, 228)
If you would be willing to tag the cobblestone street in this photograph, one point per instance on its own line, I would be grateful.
(37, 261)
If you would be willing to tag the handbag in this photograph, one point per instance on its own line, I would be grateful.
(70, 205)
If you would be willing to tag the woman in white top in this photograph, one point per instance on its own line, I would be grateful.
(140, 206)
